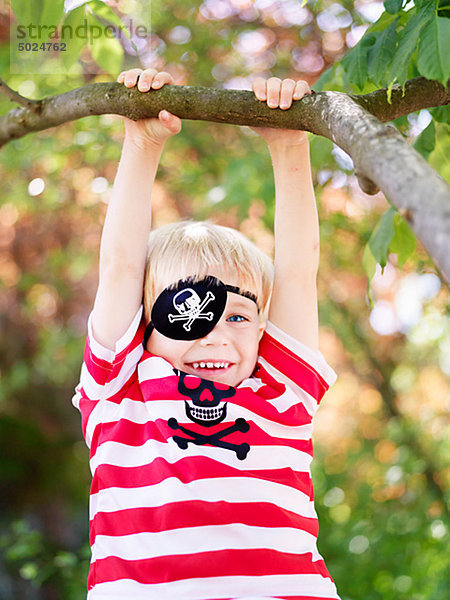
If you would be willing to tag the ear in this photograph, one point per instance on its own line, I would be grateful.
(262, 326)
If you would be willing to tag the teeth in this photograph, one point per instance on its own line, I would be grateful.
(207, 414)
(210, 365)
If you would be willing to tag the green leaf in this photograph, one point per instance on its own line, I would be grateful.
(370, 267)
(383, 22)
(74, 43)
(52, 13)
(325, 78)
(392, 234)
(369, 262)
(427, 4)
(441, 114)
(426, 141)
(398, 70)
(439, 159)
(27, 12)
(331, 79)
(382, 53)
(433, 59)
(106, 51)
(38, 12)
(381, 237)
(102, 10)
(404, 241)
(321, 152)
(356, 62)
(393, 6)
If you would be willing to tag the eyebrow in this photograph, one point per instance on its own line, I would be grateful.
(245, 293)
(237, 301)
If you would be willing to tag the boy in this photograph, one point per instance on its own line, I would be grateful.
(198, 414)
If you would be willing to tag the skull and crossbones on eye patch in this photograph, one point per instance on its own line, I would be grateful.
(189, 309)
(189, 306)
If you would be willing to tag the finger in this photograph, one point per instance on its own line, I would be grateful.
(172, 122)
(301, 89)
(259, 88)
(145, 79)
(286, 93)
(273, 92)
(131, 77)
(161, 79)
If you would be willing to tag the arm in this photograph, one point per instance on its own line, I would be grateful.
(293, 306)
(126, 229)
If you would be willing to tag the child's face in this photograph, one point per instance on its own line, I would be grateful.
(227, 354)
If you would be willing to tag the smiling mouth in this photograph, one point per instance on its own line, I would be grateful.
(210, 365)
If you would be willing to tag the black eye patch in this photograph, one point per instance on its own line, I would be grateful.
(188, 310)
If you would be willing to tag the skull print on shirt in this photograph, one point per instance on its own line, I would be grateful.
(207, 412)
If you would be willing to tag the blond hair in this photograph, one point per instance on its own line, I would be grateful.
(193, 249)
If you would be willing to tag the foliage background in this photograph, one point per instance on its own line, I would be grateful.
(381, 466)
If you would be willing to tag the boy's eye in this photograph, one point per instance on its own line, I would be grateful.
(237, 318)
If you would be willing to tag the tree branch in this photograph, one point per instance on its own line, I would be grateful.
(418, 93)
(381, 157)
(236, 107)
(33, 105)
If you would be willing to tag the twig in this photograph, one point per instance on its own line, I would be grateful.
(33, 105)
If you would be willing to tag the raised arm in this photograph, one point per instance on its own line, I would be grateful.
(293, 306)
(128, 219)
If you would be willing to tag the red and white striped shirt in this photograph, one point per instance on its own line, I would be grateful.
(196, 503)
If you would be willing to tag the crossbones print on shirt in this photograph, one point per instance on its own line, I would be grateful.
(207, 412)
(215, 439)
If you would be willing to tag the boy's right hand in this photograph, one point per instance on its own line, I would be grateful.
(154, 130)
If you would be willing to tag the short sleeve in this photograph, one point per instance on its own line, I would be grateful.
(287, 360)
(105, 372)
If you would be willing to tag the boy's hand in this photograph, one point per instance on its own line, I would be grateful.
(155, 131)
(280, 94)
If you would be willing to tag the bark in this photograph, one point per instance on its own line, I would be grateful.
(382, 159)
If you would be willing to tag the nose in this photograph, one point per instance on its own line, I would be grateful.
(216, 337)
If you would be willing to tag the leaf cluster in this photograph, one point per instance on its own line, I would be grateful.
(405, 42)
(409, 39)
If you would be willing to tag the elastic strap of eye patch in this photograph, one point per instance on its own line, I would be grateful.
(235, 290)
(148, 331)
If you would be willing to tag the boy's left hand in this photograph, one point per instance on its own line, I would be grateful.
(280, 94)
